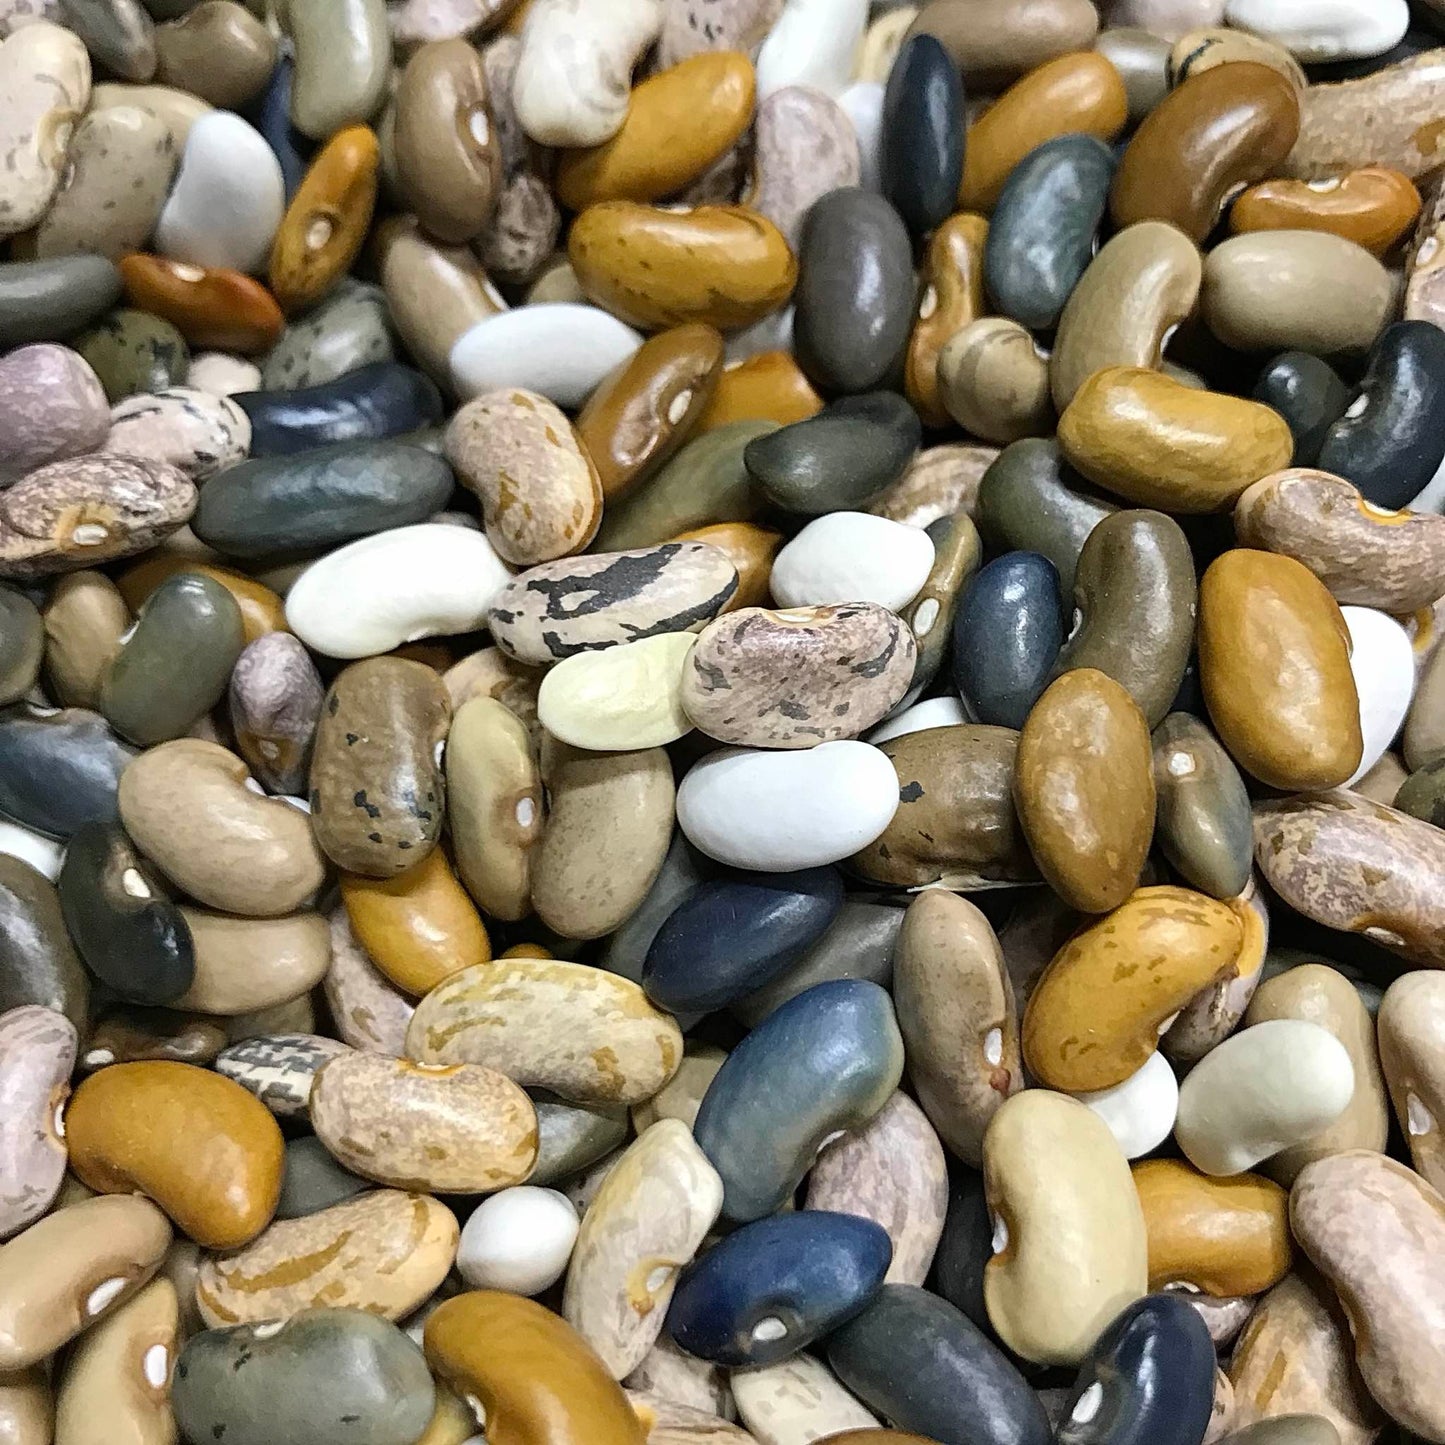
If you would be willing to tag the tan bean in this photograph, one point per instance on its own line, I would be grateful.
(1375, 1229)
(1070, 1249)
(245, 964)
(501, 436)
(645, 1224)
(383, 1251)
(116, 1386)
(448, 1129)
(607, 833)
(1142, 284)
(188, 809)
(1295, 1357)
(71, 1268)
(585, 1034)
(956, 1011)
(1324, 996)
(1411, 1026)
(1365, 555)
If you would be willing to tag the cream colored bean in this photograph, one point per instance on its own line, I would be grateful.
(645, 1225)
(1069, 1244)
(1262, 1090)
(620, 699)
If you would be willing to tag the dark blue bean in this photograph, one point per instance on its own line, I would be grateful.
(771, 1288)
(1148, 1381)
(924, 1365)
(270, 113)
(1006, 637)
(826, 1060)
(59, 771)
(1041, 234)
(731, 936)
(1308, 394)
(382, 400)
(321, 497)
(921, 155)
(1391, 441)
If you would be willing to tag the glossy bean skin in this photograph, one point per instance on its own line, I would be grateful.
(923, 141)
(1006, 637)
(1041, 234)
(1394, 442)
(813, 1269)
(1155, 1366)
(1309, 394)
(831, 1056)
(1223, 126)
(382, 400)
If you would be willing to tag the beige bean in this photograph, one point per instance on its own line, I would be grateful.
(670, 1423)
(44, 90)
(1069, 1244)
(1324, 996)
(1209, 46)
(1411, 1026)
(116, 1386)
(72, 1268)
(607, 833)
(448, 159)
(246, 964)
(684, 1379)
(1141, 285)
(383, 1251)
(993, 379)
(369, 1011)
(644, 1226)
(448, 1129)
(1262, 292)
(893, 1171)
(797, 1400)
(585, 1034)
(502, 436)
(1295, 1356)
(956, 1012)
(491, 673)
(27, 1413)
(85, 618)
(1376, 1230)
(494, 805)
(121, 164)
(179, 109)
(186, 806)
(681, 1096)
(433, 292)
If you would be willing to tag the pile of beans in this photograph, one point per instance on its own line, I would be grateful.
(721, 722)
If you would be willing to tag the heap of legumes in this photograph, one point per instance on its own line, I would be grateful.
(722, 722)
